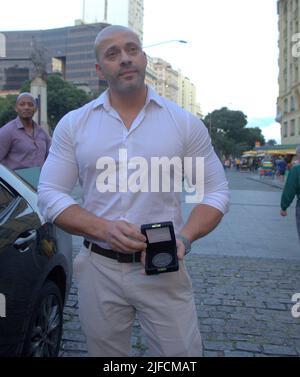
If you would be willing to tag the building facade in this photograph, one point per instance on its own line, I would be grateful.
(187, 96)
(151, 74)
(68, 51)
(166, 83)
(172, 85)
(288, 103)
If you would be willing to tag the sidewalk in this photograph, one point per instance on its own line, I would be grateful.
(244, 276)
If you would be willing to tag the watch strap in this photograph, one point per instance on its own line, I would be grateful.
(186, 242)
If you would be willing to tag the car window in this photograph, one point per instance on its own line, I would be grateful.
(30, 176)
(6, 198)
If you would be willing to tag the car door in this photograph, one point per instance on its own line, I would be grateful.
(19, 225)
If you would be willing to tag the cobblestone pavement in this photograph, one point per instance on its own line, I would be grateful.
(244, 308)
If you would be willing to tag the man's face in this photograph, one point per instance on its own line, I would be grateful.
(122, 63)
(25, 108)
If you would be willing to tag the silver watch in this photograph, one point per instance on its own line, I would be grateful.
(186, 242)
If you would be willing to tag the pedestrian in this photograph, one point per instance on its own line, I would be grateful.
(292, 189)
(281, 166)
(129, 116)
(23, 143)
(296, 159)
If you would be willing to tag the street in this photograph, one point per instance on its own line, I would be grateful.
(244, 276)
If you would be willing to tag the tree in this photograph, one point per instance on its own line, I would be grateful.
(7, 109)
(62, 97)
(271, 143)
(229, 133)
(252, 136)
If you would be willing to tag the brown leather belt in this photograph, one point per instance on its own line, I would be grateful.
(120, 257)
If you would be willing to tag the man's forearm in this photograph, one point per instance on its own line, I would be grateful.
(201, 221)
(79, 221)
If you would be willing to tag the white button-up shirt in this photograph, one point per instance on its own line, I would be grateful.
(96, 131)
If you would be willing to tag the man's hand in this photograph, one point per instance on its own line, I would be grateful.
(283, 213)
(180, 254)
(125, 237)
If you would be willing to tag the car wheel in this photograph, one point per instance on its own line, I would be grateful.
(45, 328)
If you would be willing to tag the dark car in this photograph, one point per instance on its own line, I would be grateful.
(35, 270)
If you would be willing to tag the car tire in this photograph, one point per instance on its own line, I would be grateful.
(44, 332)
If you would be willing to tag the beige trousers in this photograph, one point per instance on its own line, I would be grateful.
(111, 293)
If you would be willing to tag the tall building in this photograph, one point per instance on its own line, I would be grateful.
(187, 97)
(68, 51)
(171, 84)
(167, 79)
(151, 74)
(288, 103)
(128, 13)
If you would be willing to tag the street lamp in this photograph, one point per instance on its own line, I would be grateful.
(164, 42)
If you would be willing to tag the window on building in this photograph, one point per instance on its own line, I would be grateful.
(285, 79)
(286, 105)
(292, 133)
(285, 129)
(292, 103)
(299, 126)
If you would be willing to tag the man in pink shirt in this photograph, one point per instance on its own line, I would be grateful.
(23, 143)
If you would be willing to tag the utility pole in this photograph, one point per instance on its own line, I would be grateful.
(105, 10)
(83, 11)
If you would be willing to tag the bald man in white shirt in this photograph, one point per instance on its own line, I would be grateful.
(130, 119)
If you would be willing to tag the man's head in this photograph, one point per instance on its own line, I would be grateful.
(25, 106)
(120, 59)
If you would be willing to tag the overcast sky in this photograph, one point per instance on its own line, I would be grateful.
(231, 54)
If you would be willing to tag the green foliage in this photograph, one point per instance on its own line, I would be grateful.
(62, 97)
(229, 133)
(271, 142)
(7, 109)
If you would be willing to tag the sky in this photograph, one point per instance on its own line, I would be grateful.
(231, 55)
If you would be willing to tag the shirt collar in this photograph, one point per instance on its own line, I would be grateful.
(21, 125)
(103, 99)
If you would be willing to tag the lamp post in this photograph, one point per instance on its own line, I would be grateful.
(164, 42)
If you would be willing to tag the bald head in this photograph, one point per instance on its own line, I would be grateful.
(110, 31)
(27, 95)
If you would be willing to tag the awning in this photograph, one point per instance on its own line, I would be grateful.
(282, 152)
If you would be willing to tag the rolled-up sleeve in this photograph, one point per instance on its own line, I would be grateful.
(5, 141)
(216, 192)
(59, 173)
